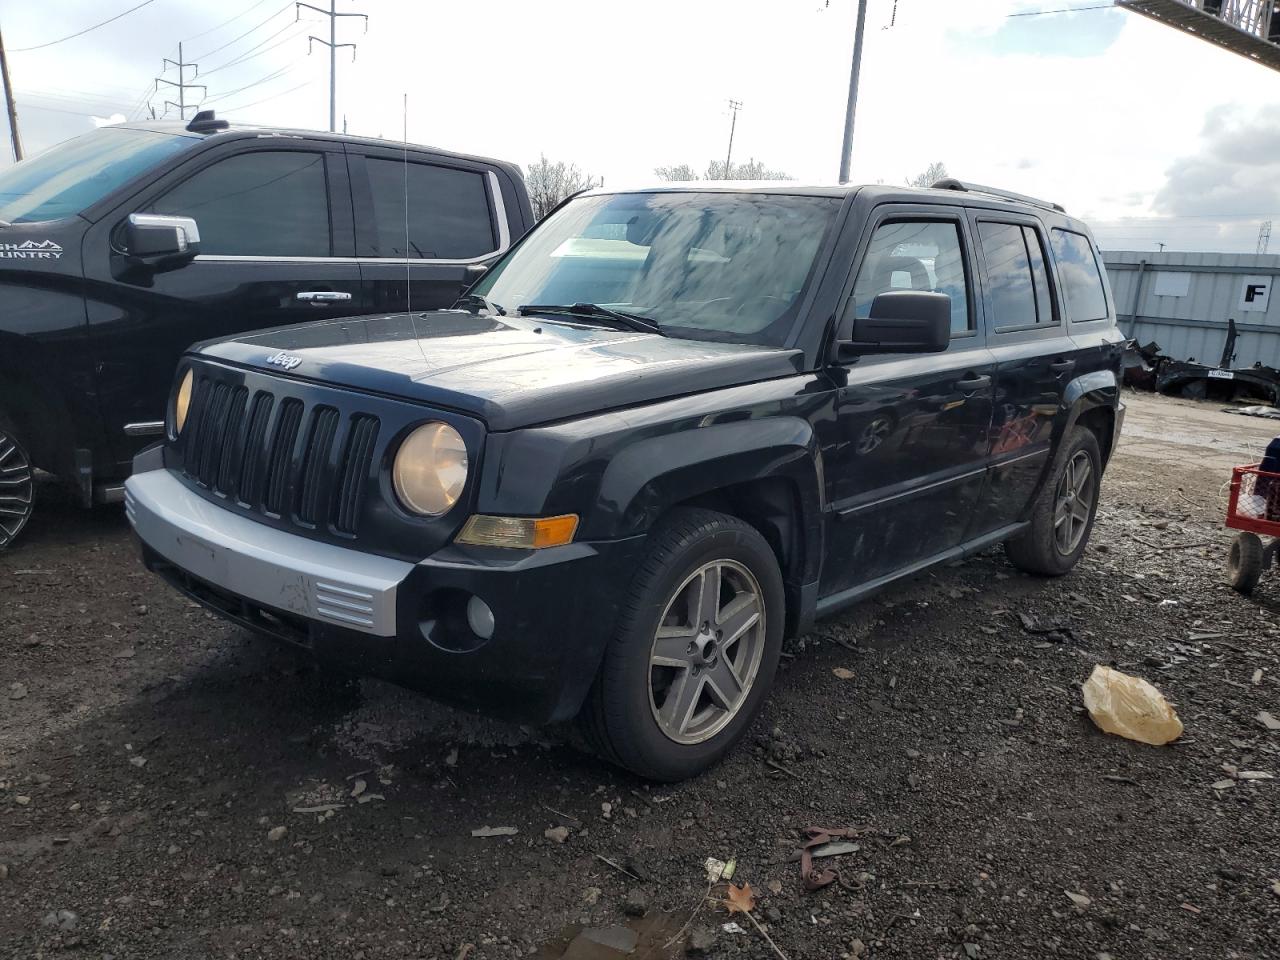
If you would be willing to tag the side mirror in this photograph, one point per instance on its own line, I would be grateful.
(160, 242)
(902, 321)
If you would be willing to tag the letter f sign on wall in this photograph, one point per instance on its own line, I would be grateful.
(1254, 294)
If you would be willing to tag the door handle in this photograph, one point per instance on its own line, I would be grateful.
(1062, 366)
(970, 384)
(323, 296)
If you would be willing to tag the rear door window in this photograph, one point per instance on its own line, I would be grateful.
(1080, 277)
(261, 204)
(915, 255)
(1017, 283)
(448, 211)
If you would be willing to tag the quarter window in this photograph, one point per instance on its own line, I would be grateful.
(1081, 280)
(261, 204)
(448, 212)
(921, 255)
(1017, 282)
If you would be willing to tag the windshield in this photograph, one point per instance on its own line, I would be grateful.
(63, 180)
(712, 266)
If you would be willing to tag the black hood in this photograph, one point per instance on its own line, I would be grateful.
(508, 371)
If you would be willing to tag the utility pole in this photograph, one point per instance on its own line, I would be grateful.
(735, 106)
(333, 45)
(1161, 244)
(1264, 236)
(846, 151)
(9, 104)
(182, 84)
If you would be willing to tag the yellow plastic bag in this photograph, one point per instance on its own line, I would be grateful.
(1129, 707)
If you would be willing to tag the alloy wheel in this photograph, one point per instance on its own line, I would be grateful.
(1074, 503)
(17, 488)
(706, 651)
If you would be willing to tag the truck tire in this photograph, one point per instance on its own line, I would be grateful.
(1064, 510)
(17, 484)
(695, 648)
(1245, 562)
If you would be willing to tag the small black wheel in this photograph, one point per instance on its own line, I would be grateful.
(695, 649)
(1245, 562)
(1064, 510)
(17, 485)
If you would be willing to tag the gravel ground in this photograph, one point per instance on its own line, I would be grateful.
(160, 771)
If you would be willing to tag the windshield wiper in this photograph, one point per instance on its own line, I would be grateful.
(476, 300)
(593, 311)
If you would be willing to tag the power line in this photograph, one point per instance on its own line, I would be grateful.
(1045, 13)
(81, 33)
(288, 68)
(282, 93)
(258, 26)
(250, 55)
(232, 19)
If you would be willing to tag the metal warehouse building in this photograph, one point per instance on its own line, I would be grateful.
(1183, 301)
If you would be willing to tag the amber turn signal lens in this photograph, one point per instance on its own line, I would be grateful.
(182, 402)
(527, 532)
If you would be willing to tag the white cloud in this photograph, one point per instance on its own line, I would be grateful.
(619, 88)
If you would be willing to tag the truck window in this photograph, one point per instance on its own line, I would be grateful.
(1017, 284)
(67, 178)
(448, 211)
(915, 255)
(261, 204)
(1079, 275)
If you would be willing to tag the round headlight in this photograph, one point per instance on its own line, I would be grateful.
(430, 469)
(182, 402)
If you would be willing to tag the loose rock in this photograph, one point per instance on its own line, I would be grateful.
(276, 834)
(636, 903)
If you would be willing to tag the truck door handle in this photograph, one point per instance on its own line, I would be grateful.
(1062, 366)
(970, 384)
(323, 296)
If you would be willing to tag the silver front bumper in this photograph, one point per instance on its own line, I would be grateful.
(267, 566)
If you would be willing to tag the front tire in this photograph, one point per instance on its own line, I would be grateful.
(695, 650)
(17, 485)
(1245, 562)
(1064, 511)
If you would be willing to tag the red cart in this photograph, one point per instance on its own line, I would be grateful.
(1254, 510)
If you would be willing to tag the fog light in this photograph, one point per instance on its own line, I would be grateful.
(480, 618)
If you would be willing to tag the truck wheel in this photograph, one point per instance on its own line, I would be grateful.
(1245, 562)
(17, 485)
(695, 650)
(1062, 517)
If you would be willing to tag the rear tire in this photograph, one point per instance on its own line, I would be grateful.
(1064, 511)
(1245, 562)
(17, 484)
(695, 648)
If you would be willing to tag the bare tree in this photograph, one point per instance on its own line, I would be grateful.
(549, 183)
(677, 173)
(929, 176)
(751, 170)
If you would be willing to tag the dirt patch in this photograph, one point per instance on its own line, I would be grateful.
(157, 752)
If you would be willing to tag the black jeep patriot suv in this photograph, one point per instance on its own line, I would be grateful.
(668, 428)
(121, 247)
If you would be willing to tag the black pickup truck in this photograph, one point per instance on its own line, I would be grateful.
(664, 431)
(120, 248)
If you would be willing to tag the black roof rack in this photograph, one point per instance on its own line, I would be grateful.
(951, 183)
(205, 121)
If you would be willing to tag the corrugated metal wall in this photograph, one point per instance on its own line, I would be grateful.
(1195, 325)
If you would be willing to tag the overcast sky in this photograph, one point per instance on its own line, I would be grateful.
(1148, 133)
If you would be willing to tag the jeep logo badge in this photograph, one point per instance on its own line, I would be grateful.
(283, 359)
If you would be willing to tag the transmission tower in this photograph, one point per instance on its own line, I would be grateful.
(1250, 28)
(181, 85)
(333, 45)
(1264, 236)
